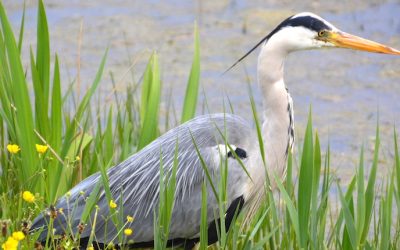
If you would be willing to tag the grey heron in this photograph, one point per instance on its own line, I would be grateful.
(136, 180)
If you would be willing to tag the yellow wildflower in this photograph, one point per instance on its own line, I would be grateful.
(129, 218)
(28, 196)
(18, 235)
(10, 244)
(128, 231)
(77, 158)
(113, 204)
(13, 148)
(41, 149)
(90, 248)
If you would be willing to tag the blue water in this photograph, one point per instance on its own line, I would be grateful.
(346, 89)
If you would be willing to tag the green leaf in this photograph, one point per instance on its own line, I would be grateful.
(386, 215)
(360, 198)
(348, 218)
(192, 88)
(305, 178)
(108, 145)
(146, 87)
(294, 216)
(204, 222)
(149, 130)
(166, 202)
(79, 143)
(205, 167)
(21, 29)
(258, 126)
(370, 192)
(56, 109)
(91, 202)
(43, 70)
(315, 186)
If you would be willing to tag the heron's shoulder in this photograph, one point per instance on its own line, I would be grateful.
(226, 118)
(209, 126)
(211, 122)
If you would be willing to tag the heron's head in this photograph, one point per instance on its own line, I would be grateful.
(309, 31)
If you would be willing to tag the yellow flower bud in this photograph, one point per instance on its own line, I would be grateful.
(28, 196)
(129, 218)
(18, 235)
(13, 148)
(113, 204)
(128, 231)
(41, 149)
(10, 244)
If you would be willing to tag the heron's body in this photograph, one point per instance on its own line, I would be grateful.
(135, 181)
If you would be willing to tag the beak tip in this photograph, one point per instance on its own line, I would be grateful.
(393, 51)
(396, 52)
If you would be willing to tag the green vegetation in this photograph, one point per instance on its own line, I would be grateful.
(47, 148)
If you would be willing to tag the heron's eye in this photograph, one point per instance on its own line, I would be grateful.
(321, 33)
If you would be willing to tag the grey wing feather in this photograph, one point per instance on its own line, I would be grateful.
(136, 180)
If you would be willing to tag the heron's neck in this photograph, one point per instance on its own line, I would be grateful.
(277, 107)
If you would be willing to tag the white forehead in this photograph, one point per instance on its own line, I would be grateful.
(316, 17)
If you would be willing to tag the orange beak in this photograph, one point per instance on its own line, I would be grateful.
(344, 40)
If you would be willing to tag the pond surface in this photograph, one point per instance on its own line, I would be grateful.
(346, 89)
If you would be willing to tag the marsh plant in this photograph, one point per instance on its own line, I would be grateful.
(49, 145)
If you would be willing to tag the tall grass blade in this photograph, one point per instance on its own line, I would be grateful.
(305, 178)
(255, 229)
(192, 88)
(43, 69)
(204, 222)
(348, 218)
(261, 243)
(205, 168)
(370, 191)
(386, 215)
(290, 190)
(146, 87)
(149, 129)
(360, 219)
(294, 216)
(339, 221)
(258, 126)
(323, 206)
(108, 149)
(109, 196)
(22, 28)
(166, 202)
(41, 114)
(314, 196)
(91, 203)
(56, 112)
